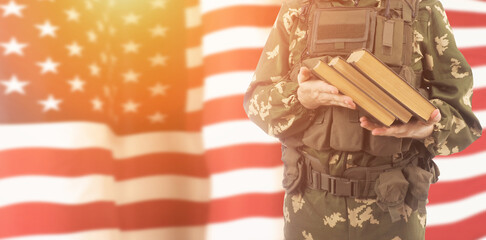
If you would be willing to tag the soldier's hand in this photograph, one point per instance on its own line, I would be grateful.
(413, 129)
(313, 93)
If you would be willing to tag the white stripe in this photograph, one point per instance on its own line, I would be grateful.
(212, 5)
(163, 187)
(481, 115)
(79, 135)
(460, 168)
(234, 38)
(175, 233)
(227, 84)
(193, 17)
(233, 133)
(479, 75)
(248, 228)
(438, 214)
(470, 37)
(194, 57)
(104, 234)
(194, 100)
(92, 188)
(60, 190)
(246, 181)
(464, 5)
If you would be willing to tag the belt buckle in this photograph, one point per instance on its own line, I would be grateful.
(344, 187)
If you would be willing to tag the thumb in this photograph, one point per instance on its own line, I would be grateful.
(434, 117)
(304, 74)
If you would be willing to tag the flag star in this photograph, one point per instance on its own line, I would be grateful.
(92, 37)
(97, 104)
(14, 85)
(158, 89)
(158, 60)
(158, 3)
(130, 106)
(131, 19)
(131, 76)
(131, 47)
(157, 118)
(47, 29)
(77, 84)
(158, 31)
(94, 69)
(48, 66)
(14, 47)
(72, 15)
(50, 103)
(74, 49)
(12, 9)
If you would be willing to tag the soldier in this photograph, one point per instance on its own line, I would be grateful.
(347, 177)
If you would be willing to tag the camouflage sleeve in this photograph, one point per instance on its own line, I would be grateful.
(450, 82)
(271, 99)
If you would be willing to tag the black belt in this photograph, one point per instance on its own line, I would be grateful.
(342, 187)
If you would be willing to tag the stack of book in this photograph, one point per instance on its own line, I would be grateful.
(374, 87)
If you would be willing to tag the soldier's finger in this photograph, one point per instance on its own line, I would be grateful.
(343, 100)
(367, 124)
(327, 88)
(304, 74)
(434, 117)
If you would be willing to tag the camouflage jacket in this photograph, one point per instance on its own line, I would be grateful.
(271, 99)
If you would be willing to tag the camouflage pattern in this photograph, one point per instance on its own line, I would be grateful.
(271, 103)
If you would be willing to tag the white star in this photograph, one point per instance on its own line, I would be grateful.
(14, 85)
(158, 31)
(12, 9)
(92, 37)
(158, 3)
(131, 19)
(72, 15)
(158, 89)
(130, 106)
(77, 84)
(14, 47)
(48, 66)
(97, 104)
(158, 60)
(74, 49)
(131, 47)
(94, 69)
(50, 103)
(157, 118)
(131, 76)
(47, 29)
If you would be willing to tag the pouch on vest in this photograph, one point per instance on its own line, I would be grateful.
(293, 168)
(391, 188)
(419, 180)
(339, 31)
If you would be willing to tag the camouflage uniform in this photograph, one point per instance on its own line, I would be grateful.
(271, 103)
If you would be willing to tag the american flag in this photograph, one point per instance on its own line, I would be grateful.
(123, 119)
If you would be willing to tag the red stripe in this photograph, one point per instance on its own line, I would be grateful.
(74, 163)
(162, 213)
(249, 205)
(161, 164)
(479, 97)
(243, 156)
(261, 16)
(224, 109)
(229, 61)
(456, 190)
(45, 218)
(195, 77)
(475, 56)
(466, 19)
(468, 229)
(195, 123)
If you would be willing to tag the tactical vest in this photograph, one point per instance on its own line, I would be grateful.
(332, 31)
